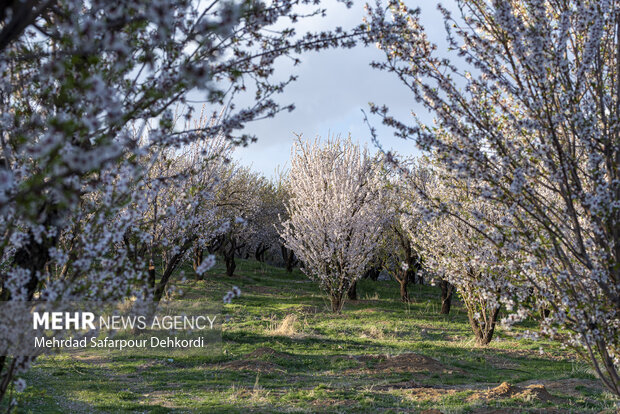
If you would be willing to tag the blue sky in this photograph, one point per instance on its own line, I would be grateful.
(332, 89)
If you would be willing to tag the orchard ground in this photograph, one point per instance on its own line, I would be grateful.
(284, 352)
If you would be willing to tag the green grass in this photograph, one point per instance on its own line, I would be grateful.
(324, 362)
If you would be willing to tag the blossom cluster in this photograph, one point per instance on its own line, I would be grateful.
(231, 294)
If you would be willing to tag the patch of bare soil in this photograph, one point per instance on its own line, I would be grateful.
(254, 361)
(428, 394)
(569, 386)
(536, 392)
(408, 362)
(266, 352)
(255, 365)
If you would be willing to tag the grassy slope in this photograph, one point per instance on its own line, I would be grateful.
(319, 365)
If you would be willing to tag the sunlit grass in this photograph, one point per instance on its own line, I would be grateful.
(317, 361)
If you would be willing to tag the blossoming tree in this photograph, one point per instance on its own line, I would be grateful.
(282, 187)
(263, 237)
(334, 212)
(458, 253)
(181, 217)
(530, 116)
(397, 252)
(75, 78)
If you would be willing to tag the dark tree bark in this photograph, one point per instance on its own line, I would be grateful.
(34, 256)
(230, 265)
(544, 311)
(404, 293)
(372, 273)
(289, 258)
(228, 251)
(404, 277)
(483, 330)
(151, 280)
(197, 261)
(352, 293)
(259, 253)
(160, 288)
(446, 296)
(413, 262)
(171, 266)
(23, 14)
(215, 244)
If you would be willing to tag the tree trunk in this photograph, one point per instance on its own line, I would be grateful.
(372, 273)
(161, 286)
(404, 294)
(171, 266)
(483, 331)
(291, 261)
(352, 293)
(229, 256)
(151, 274)
(230, 265)
(337, 301)
(34, 255)
(289, 258)
(259, 253)
(198, 256)
(284, 252)
(215, 244)
(446, 297)
(197, 261)
(415, 264)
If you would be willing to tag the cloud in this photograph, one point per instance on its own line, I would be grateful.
(332, 89)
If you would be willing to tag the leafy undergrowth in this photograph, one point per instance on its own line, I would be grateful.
(284, 352)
